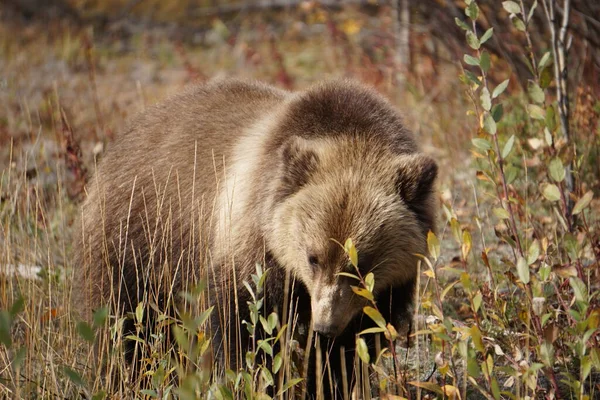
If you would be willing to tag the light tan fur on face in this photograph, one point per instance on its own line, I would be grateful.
(352, 194)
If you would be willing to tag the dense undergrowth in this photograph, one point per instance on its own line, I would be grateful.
(508, 305)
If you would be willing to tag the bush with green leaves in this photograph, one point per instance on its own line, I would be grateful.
(531, 293)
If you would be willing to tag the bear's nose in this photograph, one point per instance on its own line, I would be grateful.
(326, 330)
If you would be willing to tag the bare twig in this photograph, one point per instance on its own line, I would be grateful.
(401, 24)
(559, 51)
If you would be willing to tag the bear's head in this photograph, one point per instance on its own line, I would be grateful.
(334, 188)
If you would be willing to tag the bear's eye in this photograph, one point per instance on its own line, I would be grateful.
(313, 260)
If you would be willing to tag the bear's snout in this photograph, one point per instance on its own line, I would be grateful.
(327, 330)
(331, 309)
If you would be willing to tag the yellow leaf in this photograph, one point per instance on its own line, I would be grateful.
(363, 293)
(433, 245)
(452, 392)
(362, 350)
(352, 252)
(375, 316)
(467, 244)
(428, 385)
(477, 341)
(351, 27)
(429, 273)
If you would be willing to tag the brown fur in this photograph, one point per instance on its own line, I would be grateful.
(233, 173)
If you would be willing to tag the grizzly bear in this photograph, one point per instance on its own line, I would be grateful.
(231, 173)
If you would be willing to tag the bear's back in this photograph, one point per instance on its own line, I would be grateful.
(156, 185)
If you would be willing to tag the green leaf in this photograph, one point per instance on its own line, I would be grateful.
(535, 92)
(17, 306)
(265, 325)
(551, 192)
(375, 315)
(548, 137)
(473, 368)
(273, 320)
(511, 7)
(362, 350)
(19, 357)
(372, 330)
(471, 60)
(349, 275)
(532, 10)
(433, 245)
(481, 144)
(465, 280)
(139, 312)
(546, 77)
(203, 316)
(472, 77)
(100, 316)
(489, 124)
(477, 341)
(267, 377)
(486, 36)
(277, 361)
(472, 11)
(101, 395)
(544, 61)
(287, 386)
(456, 230)
(473, 41)
(461, 24)
(518, 24)
(265, 346)
(486, 101)
(495, 389)
(447, 289)
(557, 170)
(500, 89)
(5, 329)
(586, 367)
(86, 331)
(511, 173)
(501, 213)
(545, 273)
(533, 253)
(523, 270)
(485, 61)
(579, 289)
(250, 359)
(550, 118)
(73, 376)
(508, 146)
(477, 301)
(281, 332)
(583, 202)
(536, 112)
(497, 112)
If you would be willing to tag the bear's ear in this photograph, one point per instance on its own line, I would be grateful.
(416, 177)
(299, 160)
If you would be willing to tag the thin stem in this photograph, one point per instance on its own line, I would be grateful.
(500, 161)
(529, 44)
